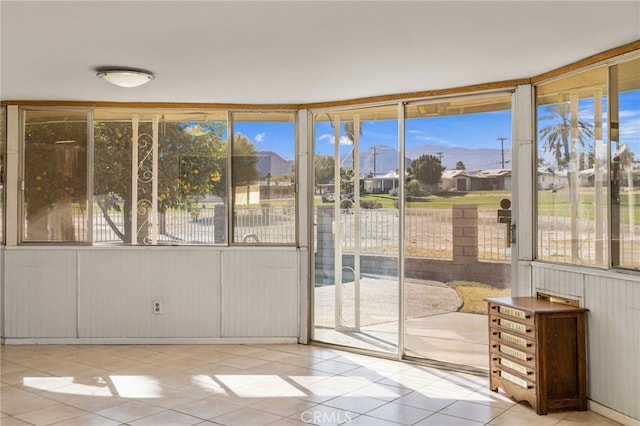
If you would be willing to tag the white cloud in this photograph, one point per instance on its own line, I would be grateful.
(630, 127)
(331, 139)
(629, 113)
(259, 137)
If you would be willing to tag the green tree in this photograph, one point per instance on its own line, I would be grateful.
(244, 161)
(427, 169)
(323, 166)
(191, 165)
(460, 166)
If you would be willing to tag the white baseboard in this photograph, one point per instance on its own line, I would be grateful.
(612, 414)
(151, 341)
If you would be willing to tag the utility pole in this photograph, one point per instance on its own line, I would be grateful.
(440, 156)
(502, 139)
(375, 153)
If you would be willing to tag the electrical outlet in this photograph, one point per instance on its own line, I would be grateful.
(157, 306)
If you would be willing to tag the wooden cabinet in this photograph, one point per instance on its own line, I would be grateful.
(537, 352)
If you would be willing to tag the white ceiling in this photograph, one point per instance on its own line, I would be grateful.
(294, 51)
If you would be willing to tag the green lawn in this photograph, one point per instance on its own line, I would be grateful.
(485, 200)
(557, 204)
(553, 203)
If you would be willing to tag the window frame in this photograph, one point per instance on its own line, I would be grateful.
(90, 174)
(21, 199)
(609, 226)
(230, 190)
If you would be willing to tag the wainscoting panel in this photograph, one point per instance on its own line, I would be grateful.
(118, 288)
(264, 295)
(40, 293)
(614, 342)
(559, 283)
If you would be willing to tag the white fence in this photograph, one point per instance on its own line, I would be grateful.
(555, 241)
(428, 232)
(264, 225)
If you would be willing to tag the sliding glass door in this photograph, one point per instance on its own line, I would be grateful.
(454, 184)
(457, 223)
(356, 284)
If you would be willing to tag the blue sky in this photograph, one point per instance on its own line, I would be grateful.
(470, 131)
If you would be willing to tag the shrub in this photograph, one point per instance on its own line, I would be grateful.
(414, 189)
(370, 204)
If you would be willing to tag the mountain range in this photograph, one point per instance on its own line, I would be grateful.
(473, 159)
(382, 159)
(270, 162)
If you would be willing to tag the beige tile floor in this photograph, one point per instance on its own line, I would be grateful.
(73, 385)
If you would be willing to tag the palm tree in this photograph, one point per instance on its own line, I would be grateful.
(557, 136)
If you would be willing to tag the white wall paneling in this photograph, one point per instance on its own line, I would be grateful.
(105, 294)
(262, 296)
(117, 288)
(41, 293)
(559, 282)
(614, 342)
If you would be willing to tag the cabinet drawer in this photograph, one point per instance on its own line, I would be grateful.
(511, 353)
(512, 339)
(501, 363)
(510, 325)
(512, 379)
(537, 352)
(513, 314)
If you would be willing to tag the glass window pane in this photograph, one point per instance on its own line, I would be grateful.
(55, 176)
(112, 179)
(264, 180)
(572, 199)
(625, 157)
(185, 180)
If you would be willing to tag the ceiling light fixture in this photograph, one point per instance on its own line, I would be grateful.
(125, 77)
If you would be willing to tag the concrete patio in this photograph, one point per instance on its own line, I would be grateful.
(434, 329)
